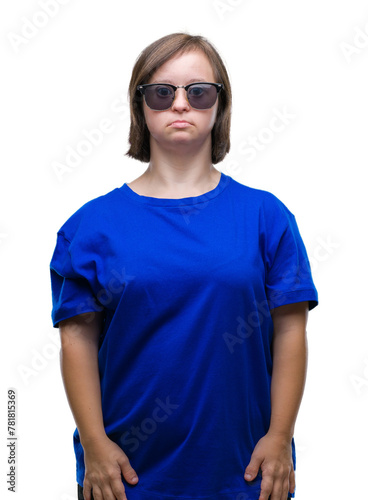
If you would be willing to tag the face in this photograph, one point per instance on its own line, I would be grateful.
(194, 131)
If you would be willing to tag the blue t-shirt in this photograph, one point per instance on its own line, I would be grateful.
(186, 286)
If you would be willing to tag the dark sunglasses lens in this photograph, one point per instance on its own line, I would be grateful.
(202, 96)
(159, 97)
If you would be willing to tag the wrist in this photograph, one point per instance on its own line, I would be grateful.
(93, 439)
(283, 435)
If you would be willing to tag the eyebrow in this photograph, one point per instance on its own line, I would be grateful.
(193, 80)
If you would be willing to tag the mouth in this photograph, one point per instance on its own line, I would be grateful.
(180, 124)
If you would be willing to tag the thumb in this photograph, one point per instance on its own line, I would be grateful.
(127, 470)
(252, 469)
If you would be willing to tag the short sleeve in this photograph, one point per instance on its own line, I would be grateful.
(71, 292)
(288, 272)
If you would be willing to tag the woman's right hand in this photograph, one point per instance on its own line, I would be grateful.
(105, 461)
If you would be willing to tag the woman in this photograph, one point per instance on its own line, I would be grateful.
(182, 302)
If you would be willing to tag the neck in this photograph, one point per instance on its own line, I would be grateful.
(180, 168)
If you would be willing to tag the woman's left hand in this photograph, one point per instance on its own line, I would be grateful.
(273, 455)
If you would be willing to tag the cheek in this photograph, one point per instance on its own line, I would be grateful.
(152, 120)
(146, 115)
(212, 114)
(211, 119)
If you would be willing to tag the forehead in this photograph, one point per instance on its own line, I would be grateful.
(185, 68)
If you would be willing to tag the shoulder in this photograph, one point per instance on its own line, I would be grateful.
(92, 214)
(262, 201)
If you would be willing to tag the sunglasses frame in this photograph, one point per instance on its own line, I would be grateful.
(142, 90)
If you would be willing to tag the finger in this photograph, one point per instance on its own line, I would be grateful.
(277, 490)
(97, 493)
(87, 490)
(292, 481)
(118, 489)
(266, 488)
(285, 490)
(127, 470)
(107, 493)
(252, 469)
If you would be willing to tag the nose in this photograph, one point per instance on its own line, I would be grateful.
(180, 102)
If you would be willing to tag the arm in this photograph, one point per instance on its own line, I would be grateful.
(104, 460)
(289, 366)
(273, 451)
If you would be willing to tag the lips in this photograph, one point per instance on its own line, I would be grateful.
(180, 124)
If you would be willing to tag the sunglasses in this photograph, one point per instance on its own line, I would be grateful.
(160, 96)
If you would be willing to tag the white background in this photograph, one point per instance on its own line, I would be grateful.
(71, 73)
